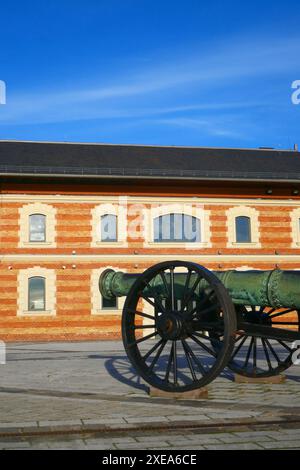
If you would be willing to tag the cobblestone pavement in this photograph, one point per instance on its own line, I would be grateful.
(87, 396)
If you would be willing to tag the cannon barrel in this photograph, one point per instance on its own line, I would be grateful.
(275, 288)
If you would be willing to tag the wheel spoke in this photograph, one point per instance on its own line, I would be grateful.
(175, 362)
(239, 347)
(157, 355)
(272, 350)
(190, 364)
(145, 357)
(191, 292)
(249, 353)
(285, 345)
(165, 283)
(279, 314)
(134, 343)
(172, 289)
(141, 314)
(169, 365)
(202, 345)
(266, 353)
(195, 359)
(254, 353)
(186, 285)
(142, 327)
(156, 299)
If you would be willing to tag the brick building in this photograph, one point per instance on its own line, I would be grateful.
(69, 211)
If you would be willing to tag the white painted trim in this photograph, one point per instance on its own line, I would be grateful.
(245, 211)
(88, 199)
(50, 288)
(191, 209)
(96, 297)
(134, 259)
(23, 235)
(295, 218)
(118, 209)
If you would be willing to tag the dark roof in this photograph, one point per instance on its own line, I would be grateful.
(102, 160)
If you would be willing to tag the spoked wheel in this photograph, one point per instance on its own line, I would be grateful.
(264, 356)
(167, 319)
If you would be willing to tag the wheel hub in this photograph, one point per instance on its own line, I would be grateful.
(170, 325)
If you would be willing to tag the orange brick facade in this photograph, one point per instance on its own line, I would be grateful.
(74, 260)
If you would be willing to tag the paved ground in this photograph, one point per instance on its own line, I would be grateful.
(86, 396)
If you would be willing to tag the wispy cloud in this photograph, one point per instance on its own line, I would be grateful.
(134, 94)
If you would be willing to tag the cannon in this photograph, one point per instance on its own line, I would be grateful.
(183, 324)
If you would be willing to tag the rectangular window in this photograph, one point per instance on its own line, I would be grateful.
(109, 228)
(243, 229)
(177, 228)
(37, 228)
(109, 304)
(36, 293)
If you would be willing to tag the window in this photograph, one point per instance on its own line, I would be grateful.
(100, 305)
(295, 222)
(109, 304)
(177, 228)
(37, 228)
(36, 293)
(37, 225)
(243, 229)
(108, 228)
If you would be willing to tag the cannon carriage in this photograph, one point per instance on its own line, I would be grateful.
(183, 324)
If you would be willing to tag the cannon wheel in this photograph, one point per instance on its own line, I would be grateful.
(255, 356)
(176, 355)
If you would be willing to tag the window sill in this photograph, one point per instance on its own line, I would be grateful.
(244, 245)
(110, 244)
(107, 312)
(39, 313)
(191, 245)
(37, 244)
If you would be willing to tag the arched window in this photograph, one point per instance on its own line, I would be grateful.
(177, 228)
(37, 228)
(243, 229)
(36, 293)
(108, 228)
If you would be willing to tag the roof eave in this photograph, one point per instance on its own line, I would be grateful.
(165, 177)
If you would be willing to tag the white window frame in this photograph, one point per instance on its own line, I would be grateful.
(23, 292)
(295, 217)
(96, 297)
(37, 208)
(120, 211)
(193, 210)
(243, 211)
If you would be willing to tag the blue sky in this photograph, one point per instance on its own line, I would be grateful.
(207, 73)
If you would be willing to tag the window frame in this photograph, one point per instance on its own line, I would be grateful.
(44, 295)
(120, 211)
(295, 223)
(23, 291)
(191, 208)
(243, 211)
(110, 240)
(45, 228)
(160, 219)
(237, 219)
(37, 208)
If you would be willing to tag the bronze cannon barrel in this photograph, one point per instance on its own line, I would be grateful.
(275, 288)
